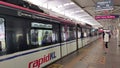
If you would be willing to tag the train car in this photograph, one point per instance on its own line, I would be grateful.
(86, 34)
(30, 39)
(68, 38)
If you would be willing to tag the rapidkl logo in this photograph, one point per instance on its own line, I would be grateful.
(38, 62)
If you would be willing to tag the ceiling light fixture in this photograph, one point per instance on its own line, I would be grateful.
(66, 4)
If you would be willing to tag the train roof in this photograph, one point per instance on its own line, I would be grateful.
(36, 12)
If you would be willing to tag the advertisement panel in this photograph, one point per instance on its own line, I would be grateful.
(104, 5)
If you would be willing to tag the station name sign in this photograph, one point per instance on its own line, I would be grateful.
(106, 17)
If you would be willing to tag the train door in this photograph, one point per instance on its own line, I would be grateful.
(89, 36)
(68, 39)
(82, 36)
(64, 35)
(84, 39)
(16, 29)
(2, 36)
(71, 41)
(79, 40)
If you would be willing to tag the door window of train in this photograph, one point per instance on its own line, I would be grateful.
(2, 36)
(87, 32)
(65, 33)
(72, 33)
(92, 32)
(44, 34)
(68, 33)
(83, 33)
(55, 34)
(79, 33)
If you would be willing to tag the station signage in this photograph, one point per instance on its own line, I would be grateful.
(104, 5)
(106, 17)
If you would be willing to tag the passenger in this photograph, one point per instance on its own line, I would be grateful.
(0, 46)
(45, 38)
(34, 37)
(106, 39)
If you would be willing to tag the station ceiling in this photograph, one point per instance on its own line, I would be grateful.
(89, 7)
(81, 10)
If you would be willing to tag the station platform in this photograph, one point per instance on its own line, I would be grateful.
(92, 56)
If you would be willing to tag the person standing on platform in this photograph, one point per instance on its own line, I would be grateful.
(106, 39)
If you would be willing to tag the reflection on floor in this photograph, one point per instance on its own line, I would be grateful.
(92, 56)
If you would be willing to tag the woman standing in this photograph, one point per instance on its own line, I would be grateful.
(106, 39)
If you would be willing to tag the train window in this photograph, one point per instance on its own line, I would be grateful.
(72, 33)
(68, 33)
(55, 34)
(2, 36)
(87, 32)
(92, 32)
(65, 33)
(43, 37)
(83, 33)
(34, 37)
(79, 33)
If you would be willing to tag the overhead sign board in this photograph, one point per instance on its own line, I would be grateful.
(106, 17)
(104, 5)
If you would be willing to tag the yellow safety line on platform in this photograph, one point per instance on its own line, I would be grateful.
(102, 60)
(55, 66)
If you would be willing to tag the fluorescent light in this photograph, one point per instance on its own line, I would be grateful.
(75, 12)
(60, 6)
(36, 2)
(66, 4)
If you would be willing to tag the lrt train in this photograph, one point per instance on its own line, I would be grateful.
(31, 39)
